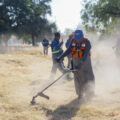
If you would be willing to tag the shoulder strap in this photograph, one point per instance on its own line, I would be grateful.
(85, 39)
(74, 41)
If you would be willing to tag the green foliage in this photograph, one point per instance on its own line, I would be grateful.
(5, 21)
(25, 17)
(98, 15)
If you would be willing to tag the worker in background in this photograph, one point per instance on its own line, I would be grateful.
(56, 47)
(69, 56)
(45, 44)
(117, 47)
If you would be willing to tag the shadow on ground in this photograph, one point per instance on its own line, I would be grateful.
(64, 112)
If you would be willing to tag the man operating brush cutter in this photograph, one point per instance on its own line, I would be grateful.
(79, 48)
(84, 79)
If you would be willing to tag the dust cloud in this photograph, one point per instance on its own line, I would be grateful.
(24, 73)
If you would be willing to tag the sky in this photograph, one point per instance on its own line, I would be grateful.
(66, 13)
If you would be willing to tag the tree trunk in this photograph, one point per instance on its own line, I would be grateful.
(0, 40)
(6, 38)
(33, 40)
(4, 42)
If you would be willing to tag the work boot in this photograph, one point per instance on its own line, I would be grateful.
(81, 96)
(81, 99)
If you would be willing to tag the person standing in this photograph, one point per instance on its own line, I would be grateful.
(45, 44)
(117, 47)
(84, 79)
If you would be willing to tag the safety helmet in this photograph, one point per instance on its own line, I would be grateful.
(78, 34)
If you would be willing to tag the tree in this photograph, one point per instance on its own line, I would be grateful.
(5, 24)
(100, 14)
(31, 17)
(26, 17)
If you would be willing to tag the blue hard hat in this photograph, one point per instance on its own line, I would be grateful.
(78, 34)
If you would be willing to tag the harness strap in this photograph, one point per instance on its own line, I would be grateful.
(78, 48)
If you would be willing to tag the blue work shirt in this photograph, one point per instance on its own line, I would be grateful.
(45, 43)
(68, 43)
(56, 48)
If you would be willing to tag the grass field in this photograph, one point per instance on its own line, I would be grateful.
(24, 73)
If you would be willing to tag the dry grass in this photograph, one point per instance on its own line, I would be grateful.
(19, 69)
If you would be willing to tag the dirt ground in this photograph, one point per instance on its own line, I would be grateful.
(24, 73)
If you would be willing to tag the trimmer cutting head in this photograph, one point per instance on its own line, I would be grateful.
(33, 101)
(40, 94)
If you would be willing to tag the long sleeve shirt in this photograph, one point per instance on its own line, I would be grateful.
(68, 43)
(56, 48)
(86, 51)
(45, 43)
